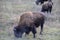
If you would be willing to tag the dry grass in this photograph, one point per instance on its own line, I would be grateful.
(10, 10)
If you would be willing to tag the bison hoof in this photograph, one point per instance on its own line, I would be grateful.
(34, 37)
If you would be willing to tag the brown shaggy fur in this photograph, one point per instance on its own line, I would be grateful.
(30, 20)
(47, 6)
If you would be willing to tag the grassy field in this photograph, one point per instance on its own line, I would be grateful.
(10, 10)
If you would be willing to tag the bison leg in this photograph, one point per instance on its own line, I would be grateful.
(47, 10)
(27, 30)
(34, 31)
(27, 33)
(37, 3)
(42, 2)
(41, 29)
(50, 9)
(42, 24)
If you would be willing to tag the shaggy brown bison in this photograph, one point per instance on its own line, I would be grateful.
(28, 23)
(47, 6)
(40, 1)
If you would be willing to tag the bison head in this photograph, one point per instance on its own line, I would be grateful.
(18, 31)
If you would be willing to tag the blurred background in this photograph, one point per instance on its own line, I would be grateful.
(10, 10)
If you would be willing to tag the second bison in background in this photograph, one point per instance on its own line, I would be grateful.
(29, 21)
(47, 6)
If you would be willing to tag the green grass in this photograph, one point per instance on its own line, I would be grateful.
(48, 34)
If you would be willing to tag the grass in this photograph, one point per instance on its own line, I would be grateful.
(10, 16)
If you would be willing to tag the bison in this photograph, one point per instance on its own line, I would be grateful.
(29, 21)
(40, 1)
(47, 6)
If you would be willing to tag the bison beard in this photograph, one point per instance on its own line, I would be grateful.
(28, 22)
